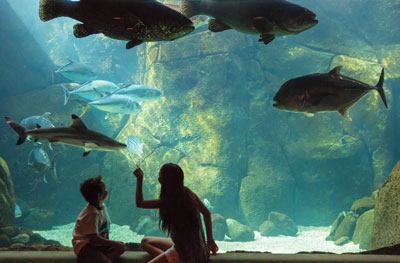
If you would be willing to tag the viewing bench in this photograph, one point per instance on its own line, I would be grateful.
(242, 257)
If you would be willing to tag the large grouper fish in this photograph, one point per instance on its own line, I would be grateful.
(267, 18)
(136, 21)
(323, 92)
(75, 135)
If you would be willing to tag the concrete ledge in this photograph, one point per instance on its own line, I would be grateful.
(242, 257)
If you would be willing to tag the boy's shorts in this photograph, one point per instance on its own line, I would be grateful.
(90, 254)
(172, 255)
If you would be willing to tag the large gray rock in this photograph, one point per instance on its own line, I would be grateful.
(347, 226)
(219, 226)
(363, 230)
(362, 205)
(334, 226)
(385, 231)
(278, 224)
(7, 198)
(238, 231)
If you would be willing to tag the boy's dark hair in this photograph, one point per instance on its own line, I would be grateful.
(90, 188)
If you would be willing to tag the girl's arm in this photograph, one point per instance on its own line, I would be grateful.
(207, 221)
(154, 203)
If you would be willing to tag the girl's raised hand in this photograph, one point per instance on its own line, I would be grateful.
(138, 172)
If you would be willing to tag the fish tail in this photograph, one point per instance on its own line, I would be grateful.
(19, 129)
(66, 94)
(84, 110)
(47, 10)
(379, 87)
(190, 8)
(53, 168)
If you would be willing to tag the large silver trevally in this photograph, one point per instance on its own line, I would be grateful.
(140, 92)
(135, 145)
(39, 161)
(90, 90)
(75, 135)
(76, 71)
(32, 121)
(37, 121)
(136, 21)
(267, 18)
(115, 103)
(323, 92)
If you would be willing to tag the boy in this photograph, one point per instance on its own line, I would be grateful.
(90, 236)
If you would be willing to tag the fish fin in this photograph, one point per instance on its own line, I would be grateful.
(50, 147)
(98, 93)
(82, 30)
(77, 123)
(84, 110)
(261, 24)
(133, 43)
(46, 114)
(336, 71)
(85, 153)
(38, 126)
(47, 10)
(53, 168)
(53, 74)
(215, 25)
(379, 87)
(345, 112)
(309, 114)
(266, 38)
(19, 129)
(67, 94)
(106, 117)
(44, 177)
(190, 8)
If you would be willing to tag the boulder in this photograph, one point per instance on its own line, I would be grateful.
(278, 224)
(334, 226)
(385, 230)
(342, 241)
(4, 240)
(219, 226)
(148, 226)
(268, 228)
(7, 198)
(238, 231)
(347, 226)
(362, 205)
(39, 219)
(363, 230)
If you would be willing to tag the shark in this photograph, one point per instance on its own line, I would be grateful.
(75, 135)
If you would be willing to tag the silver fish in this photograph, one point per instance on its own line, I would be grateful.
(135, 145)
(90, 90)
(115, 104)
(75, 71)
(140, 92)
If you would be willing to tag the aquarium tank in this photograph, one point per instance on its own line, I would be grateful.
(300, 171)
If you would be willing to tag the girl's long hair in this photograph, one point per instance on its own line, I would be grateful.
(180, 216)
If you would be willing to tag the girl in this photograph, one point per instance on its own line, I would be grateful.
(179, 210)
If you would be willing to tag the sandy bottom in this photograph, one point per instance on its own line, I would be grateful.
(308, 239)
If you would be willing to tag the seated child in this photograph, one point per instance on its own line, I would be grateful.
(90, 236)
(179, 211)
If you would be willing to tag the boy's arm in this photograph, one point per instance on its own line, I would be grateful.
(154, 203)
(208, 223)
